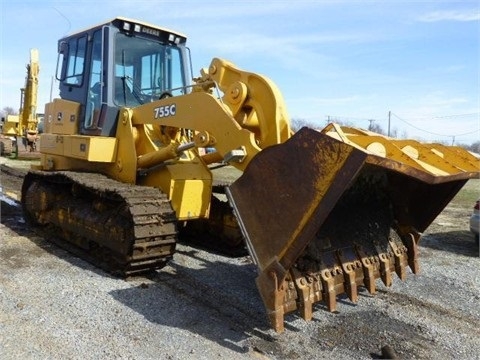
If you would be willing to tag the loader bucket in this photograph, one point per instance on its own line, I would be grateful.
(327, 212)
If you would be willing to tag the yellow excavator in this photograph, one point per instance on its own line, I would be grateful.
(25, 124)
(124, 174)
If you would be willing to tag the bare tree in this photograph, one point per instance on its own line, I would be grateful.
(297, 124)
(8, 110)
(376, 128)
(475, 147)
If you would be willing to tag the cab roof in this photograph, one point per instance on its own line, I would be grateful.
(132, 21)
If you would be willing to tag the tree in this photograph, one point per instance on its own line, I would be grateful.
(8, 110)
(376, 128)
(393, 133)
(297, 124)
(475, 147)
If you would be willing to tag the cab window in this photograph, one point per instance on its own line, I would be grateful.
(76, 61)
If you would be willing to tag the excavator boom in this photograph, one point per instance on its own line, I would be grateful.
(25, 124)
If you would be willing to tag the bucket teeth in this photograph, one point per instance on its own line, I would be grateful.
(348, 261)
(412, 240)
(305, 294)
(400, 255)
(385, 274)
(322, 276)
(367, 264)
(343, 271)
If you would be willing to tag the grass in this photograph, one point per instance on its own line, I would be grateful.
(467, 196)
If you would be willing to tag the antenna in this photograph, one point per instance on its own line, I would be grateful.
(68, 21)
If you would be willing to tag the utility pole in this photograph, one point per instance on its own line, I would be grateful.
(389, 117)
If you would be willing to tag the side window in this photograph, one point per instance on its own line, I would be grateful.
(176, 70)
(96, 64)
(95, 88)
(76, 61)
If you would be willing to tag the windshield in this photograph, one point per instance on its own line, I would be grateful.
(146, 70)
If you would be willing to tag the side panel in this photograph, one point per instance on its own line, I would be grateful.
(98, 149)
(62, 117)
(10, 126)
(189, 188)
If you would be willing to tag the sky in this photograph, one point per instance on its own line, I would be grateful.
(413, 65)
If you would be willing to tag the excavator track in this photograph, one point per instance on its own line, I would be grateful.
(121, 228)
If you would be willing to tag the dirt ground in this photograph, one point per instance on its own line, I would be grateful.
(214, 301)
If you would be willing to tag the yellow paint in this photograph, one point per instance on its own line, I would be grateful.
(435, 159)
(91, 148)
(188, 185)
(11, 195)
(62, 117)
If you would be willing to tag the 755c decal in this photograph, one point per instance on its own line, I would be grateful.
(164, 111)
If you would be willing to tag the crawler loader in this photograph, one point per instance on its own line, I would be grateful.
(124, 173)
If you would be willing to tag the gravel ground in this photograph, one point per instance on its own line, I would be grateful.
(206, 306)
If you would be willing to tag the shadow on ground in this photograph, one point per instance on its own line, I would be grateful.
(218, 301)
(457, 242)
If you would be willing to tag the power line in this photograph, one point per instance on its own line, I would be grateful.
(67, 19)
(437, 134)
(457, 115)
(335, 118)
(346, 120)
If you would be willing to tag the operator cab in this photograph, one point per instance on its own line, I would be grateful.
(121, 63)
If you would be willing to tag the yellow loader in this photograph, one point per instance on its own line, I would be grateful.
(124, 173)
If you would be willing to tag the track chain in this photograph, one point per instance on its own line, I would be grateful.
(122, 228)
